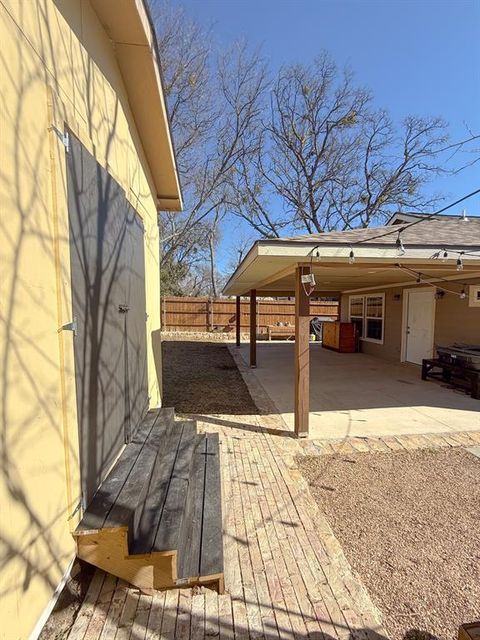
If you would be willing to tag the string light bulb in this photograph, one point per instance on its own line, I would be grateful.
(463, 293)
(351, 257)
(445, 255)
(459, 263)
(317, 255)
(399, 245)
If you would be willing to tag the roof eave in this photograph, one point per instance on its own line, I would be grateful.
(129, 26)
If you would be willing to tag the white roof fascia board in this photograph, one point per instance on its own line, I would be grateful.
(246, 262)
(303, 252)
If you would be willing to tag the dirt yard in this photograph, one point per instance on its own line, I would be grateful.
(201, 377)
(408, 523)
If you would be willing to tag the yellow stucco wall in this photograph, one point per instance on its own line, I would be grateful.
(57, 68)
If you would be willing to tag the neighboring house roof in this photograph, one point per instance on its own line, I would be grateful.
(437, 232)
(400, 217)
(129, 26)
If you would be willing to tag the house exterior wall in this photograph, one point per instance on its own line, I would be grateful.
(57, 69)
(455, 321)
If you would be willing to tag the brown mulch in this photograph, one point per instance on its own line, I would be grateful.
(202, 377)
(409, 524)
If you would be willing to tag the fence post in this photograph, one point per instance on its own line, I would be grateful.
(164, 313)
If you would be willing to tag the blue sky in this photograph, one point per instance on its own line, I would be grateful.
(417, 56)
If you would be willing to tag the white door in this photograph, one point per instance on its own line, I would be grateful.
(419, 326)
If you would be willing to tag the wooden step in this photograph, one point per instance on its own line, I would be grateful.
(104, 509)
(156, 520)
(200, 552)
(159, 525)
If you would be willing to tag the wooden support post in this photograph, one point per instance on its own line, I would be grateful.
(164, 313)
(237, 319)
(253, 328)
(302, 354)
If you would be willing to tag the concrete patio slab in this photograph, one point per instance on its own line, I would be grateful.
(359, 395)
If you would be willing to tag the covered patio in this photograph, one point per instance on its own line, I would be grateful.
(403, 289)
(359, 395)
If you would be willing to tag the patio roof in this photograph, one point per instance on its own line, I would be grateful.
(269, 267)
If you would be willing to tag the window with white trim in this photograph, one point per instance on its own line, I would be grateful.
(368, 314)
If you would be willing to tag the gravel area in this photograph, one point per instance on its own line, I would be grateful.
(408, 523)
(202, 377)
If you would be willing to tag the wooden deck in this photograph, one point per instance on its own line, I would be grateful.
(285, 573)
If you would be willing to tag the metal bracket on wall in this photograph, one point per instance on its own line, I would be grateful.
(70, 326)
(66, 141)
(63, 135)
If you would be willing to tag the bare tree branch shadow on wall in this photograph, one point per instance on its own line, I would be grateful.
(35, 514)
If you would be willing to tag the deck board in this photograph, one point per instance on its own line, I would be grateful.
(167, 534)
(211, 557)
(106, 496)
(122, 511)
(157, 493)
(188, 563)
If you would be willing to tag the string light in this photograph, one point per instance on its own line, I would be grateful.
(399, 245)
(419, 279)
(445, 255)
(351, 257)
(459, 263)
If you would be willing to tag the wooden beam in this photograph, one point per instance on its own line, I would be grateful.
(253, 328)
(237, 320)
(302, 354)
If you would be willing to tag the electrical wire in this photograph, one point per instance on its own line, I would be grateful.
(418, 276)
(398, 230)
(423, 219)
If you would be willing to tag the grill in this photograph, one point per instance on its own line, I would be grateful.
(463, 355)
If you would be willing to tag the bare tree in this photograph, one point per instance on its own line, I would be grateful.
(334, 162)
(311, 138)
(389, 171)
(214, 101)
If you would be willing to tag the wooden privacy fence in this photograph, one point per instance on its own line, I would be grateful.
(207, 314)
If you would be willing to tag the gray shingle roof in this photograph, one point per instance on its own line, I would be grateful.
(435, 232)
